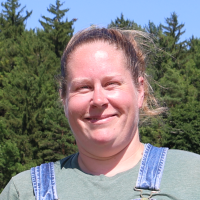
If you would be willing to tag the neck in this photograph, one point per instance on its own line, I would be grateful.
(122, 161)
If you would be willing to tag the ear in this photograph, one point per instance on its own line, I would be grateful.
(140, 91)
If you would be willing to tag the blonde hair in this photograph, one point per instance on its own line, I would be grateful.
(130, 42)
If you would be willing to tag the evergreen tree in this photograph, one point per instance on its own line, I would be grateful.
(153, 29)
(13, 23)
(173, 31)
(183, 127)
(181, 88)
(34, 128)
(192, 67)
(36, 125)
(194, 50)
(58, 32)
(124, 24)
(168, 64)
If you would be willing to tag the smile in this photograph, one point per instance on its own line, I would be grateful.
(100, 119)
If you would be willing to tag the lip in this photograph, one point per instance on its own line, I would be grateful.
(100, 119)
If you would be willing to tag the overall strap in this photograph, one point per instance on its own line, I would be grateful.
(151, 168)
(44, 183)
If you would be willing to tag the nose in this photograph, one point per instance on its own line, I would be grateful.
(99, 98)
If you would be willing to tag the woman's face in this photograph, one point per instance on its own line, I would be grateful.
(102, 102)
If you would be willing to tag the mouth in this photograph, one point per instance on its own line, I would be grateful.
(100, 119)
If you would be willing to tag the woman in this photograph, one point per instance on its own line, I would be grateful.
(102, 90)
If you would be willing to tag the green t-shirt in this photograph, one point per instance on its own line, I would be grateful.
(180, 180)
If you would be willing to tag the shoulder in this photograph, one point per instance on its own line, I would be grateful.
(25, 176)
(19, 185)
(182, 162)
(182, 159)
(182, 170)
(181, 175)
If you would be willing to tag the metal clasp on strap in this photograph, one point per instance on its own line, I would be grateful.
(151, 194)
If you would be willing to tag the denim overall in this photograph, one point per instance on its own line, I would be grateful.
(149, 177)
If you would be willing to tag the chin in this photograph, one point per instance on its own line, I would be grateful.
(102, 140)
(103, 137)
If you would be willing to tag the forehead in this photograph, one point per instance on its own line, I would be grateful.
(97, 45)
(95, 53)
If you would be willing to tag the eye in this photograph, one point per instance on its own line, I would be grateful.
(83, 88)
(112, 84)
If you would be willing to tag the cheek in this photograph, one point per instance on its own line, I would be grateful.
(77, 106)
(123, 99)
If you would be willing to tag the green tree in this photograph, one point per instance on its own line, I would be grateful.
(180, 89)
(34, 129)
(173, 31)
(34, 120)
(183, 127)
(171, 69)
(12, 26)
(12, 22)
(58, 32)
(153, 29)
(124, 24)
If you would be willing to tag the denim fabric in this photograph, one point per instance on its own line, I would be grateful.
(151, 168)
(149, 177)
(43, 180)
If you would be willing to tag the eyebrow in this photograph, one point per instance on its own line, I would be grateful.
(79, 80)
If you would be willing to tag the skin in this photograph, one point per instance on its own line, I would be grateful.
(102, 107)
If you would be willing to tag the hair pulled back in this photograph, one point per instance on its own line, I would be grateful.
(124, 40)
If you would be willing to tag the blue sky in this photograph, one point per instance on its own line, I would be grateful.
(101, 12)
